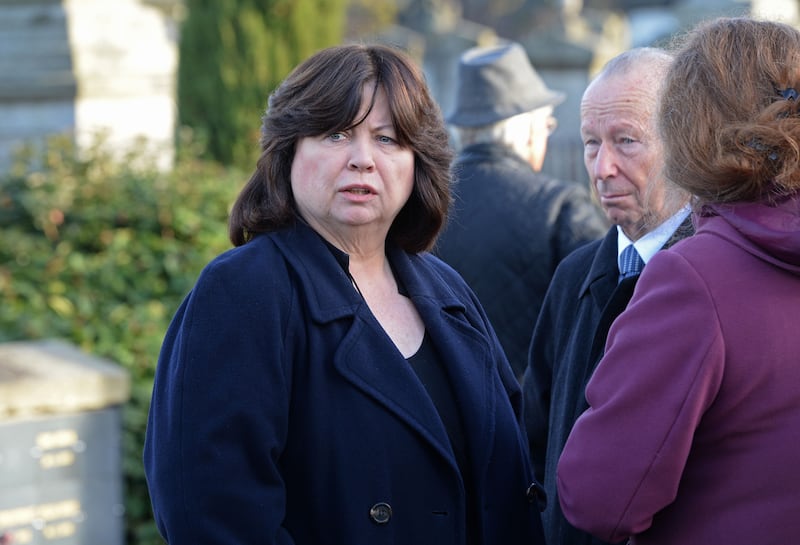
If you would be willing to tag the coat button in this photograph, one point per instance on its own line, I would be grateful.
(536, 493)
(380, 513)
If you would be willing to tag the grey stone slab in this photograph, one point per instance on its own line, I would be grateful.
(54, 377)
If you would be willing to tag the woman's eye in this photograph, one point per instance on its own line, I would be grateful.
(337, 136)
(386, 140)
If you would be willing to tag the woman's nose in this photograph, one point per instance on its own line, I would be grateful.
(361, 154)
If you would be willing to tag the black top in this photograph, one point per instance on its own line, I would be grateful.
(431, 372)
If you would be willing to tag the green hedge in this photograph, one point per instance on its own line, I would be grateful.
(100, 250)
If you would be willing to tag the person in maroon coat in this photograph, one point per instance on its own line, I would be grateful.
(692, 430)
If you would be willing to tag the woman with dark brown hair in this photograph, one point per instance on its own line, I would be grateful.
(694, 419)
(328, 381)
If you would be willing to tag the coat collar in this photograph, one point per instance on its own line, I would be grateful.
(323, 269)
(489, 152)
(601, 279)
(367, 358)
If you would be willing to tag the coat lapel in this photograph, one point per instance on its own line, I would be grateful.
(470, 367)
(368, 359)
(464, 351)
(616, 304)
(601, 280)
(621, 293)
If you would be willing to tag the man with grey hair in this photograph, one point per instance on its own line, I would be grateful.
(591, 287)
(511, 224)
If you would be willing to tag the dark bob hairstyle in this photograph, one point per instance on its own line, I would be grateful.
(324, 95)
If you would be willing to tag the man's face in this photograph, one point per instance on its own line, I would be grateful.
(622, 152)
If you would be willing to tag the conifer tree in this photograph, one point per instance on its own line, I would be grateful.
(233, 53)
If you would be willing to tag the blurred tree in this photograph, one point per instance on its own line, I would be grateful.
(430, 15)
(234, 53)
(367, 18)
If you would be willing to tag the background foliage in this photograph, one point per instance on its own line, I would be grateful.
(234, 53)
(100, 251)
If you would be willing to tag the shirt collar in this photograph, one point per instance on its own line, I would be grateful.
(653, 241)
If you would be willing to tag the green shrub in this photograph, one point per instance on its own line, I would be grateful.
(100, 252)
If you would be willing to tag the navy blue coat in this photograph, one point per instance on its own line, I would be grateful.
(568, 341)
(564, 351)
(282, 413)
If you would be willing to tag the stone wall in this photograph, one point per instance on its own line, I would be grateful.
(89, 66)
(86, 67)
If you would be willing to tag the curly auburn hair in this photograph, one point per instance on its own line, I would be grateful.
(729, 111)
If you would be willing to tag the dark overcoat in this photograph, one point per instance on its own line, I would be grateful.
(510, 228)
(282, 413)
(568, 341)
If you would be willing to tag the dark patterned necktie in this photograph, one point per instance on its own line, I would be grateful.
(630, 263)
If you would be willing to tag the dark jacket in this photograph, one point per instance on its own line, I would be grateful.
(282, 413)
(583, 300)
(510, 228)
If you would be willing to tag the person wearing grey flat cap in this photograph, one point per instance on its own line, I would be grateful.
(511, 225)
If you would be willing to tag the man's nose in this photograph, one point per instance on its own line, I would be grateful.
(605, 163)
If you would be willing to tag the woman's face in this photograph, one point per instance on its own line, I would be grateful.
(352, 184)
